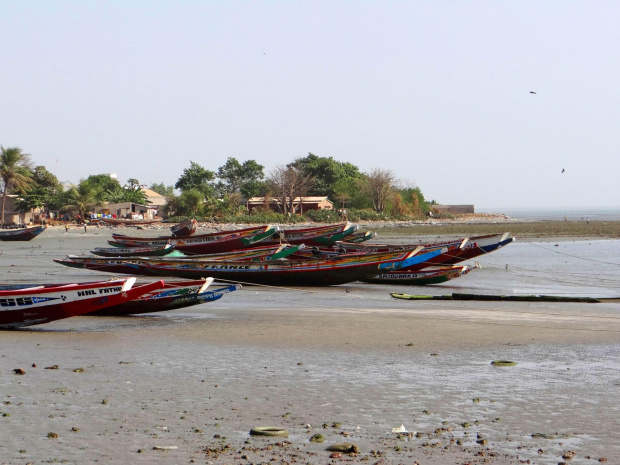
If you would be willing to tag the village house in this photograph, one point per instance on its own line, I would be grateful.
(302, 204)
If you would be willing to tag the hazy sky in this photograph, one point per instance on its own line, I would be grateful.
(436, 91)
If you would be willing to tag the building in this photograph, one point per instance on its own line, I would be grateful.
(129, 210)
(153, 199)
(11, 215)
(302, 204)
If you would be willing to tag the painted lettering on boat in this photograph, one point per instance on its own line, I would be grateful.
(86, 292)
(108, 290)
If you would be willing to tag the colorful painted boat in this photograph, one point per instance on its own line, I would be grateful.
(458, 250)
(175, 295)
(285, 272)
(185, 228)
(155, 251)
(34, 305)
(435, 275)
(23, 234)
(223, 241)
(356, 238)
(320, 236)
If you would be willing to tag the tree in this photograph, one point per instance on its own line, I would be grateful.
(287, 183)
(190, 202)
(198, 178)
(162, 189)
(82, 199)
(379, 184)
(101, 184)
(44, 191)
(15, 172)
(327, 174)
(246, 178)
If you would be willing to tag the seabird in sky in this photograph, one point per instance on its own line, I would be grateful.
(532, 92)
(563, 170)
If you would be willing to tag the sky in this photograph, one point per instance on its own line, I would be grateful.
(437, 92)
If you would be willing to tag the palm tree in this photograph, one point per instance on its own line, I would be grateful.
(82, 198)
(15, 172)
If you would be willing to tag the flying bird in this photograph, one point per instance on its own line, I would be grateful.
(563, 170)
(532, 92)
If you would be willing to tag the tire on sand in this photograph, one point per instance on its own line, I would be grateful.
(272, 431)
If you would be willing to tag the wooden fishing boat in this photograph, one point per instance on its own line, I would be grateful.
(321, 236)
(21, 234)
(175, 295)
(356, 238)
(458, 250)
(223, 241)
(500, 298)
(435, 275)
(126, 265)
(155, 251)
(34, 305)
(340, 270)
(184, 229)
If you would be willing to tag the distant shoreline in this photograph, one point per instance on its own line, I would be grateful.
(578, 230)
(469, 225)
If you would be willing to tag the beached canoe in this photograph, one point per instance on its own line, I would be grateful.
(434, 275)
(21, 234)
(155, 251)
(320, 236)
(356, 238)
(502, 298)
(458, 250)
(185, 228)
(281, 272)
(33, 305)
(222, 241)
(175, 295)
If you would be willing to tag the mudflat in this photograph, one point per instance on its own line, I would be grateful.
(344, 364)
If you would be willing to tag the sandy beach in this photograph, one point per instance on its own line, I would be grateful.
(348, 363)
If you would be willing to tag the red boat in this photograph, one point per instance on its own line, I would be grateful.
(186, 228)
(176, 294)
(24, 234)
(223, 241)
(28, 306)
(320, 236)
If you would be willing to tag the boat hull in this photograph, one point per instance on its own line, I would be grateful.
(419, 278)
(341, 270)
(166, 301)
(23, 235)
(33, 306)
(225, 241)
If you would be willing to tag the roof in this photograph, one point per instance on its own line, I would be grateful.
(154, 198)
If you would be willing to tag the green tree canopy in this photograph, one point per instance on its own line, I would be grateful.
(235, 177)
(44, 191)
(328, 174)
(162, 189)
(82, 199)
(101, 184)
(196, 178)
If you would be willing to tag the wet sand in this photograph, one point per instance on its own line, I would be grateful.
(347, 365)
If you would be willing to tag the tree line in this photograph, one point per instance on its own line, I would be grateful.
(202, 193)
